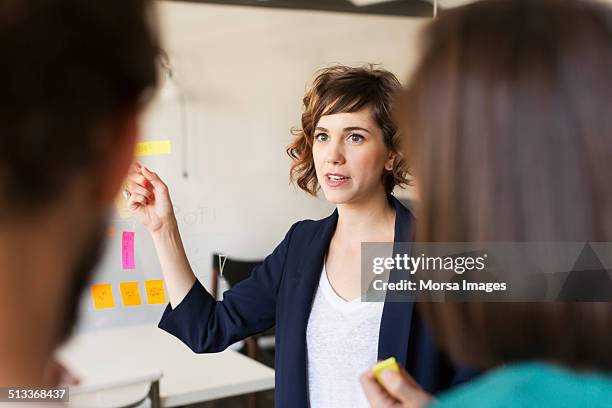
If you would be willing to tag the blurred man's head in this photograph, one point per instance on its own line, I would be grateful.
(76, 74)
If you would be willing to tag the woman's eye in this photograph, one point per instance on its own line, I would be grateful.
(355, 138)
(321, 137)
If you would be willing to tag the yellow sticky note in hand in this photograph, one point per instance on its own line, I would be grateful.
(153, 148)
(155, 292)
(388, 364)
(102, 294)
(130, 293)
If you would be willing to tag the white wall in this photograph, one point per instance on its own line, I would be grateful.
(244, 71)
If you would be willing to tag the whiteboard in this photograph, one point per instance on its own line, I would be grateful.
(164, 122)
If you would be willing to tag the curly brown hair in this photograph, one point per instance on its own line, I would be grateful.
(341, 89)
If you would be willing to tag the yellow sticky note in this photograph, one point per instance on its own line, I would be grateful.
(388, 364)
(102, 294)
(155, 292)
(130, 293)
(153, 148)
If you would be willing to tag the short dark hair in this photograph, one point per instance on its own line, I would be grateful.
(339, 89)
(510, 138)
(68, 68)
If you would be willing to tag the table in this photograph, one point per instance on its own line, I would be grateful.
(105, 356)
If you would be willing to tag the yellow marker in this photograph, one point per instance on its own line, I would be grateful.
(102, 294)
(153, 148)
(121, 207)
(155, 292)
(130, 293)
(388, 364)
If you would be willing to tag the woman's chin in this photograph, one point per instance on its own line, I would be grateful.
(337, 196)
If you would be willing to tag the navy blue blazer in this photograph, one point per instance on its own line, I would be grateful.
(281, 292)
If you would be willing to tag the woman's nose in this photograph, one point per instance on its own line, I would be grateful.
(335, 155)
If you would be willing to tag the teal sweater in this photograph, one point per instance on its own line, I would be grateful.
(534, 385)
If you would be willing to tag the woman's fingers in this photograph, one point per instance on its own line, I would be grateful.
(137, 178)
(147, 179)
(150, 174)
(402, 387)
(400, 390)
(376, 395)
(136, 200)
(154, 179)
(134, 188)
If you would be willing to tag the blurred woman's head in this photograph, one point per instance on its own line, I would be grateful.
(509, 136)
(348, 143)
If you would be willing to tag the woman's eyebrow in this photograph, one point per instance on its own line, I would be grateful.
(353, 128)
(346, 129)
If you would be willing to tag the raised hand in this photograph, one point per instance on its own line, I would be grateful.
(148, 199)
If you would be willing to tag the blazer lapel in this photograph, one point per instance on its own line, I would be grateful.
(397, 313)
(304, 285)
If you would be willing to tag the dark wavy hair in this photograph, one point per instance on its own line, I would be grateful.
(340, 89)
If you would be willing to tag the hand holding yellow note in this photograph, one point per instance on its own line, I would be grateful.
(102, 294)
(388, 364)
(155, 292)
(130, 293)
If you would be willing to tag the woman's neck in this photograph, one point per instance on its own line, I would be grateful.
(372, 219)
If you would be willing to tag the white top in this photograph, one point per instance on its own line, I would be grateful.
(342, 343)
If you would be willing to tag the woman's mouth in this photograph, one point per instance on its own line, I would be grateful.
(336, 180)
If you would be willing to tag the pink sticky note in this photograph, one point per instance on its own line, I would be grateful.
(127, 250)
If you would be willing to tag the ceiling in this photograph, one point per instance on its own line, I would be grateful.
(409, 8)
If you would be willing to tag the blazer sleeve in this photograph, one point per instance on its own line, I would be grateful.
(206, 325)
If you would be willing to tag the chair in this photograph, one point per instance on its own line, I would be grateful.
(233, 272)
(141, 392)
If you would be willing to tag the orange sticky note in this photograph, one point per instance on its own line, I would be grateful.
(102, 294)
(155, 292)
(130, 293)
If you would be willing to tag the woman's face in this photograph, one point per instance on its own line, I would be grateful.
(350, 156)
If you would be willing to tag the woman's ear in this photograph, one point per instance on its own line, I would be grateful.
(390, 160)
